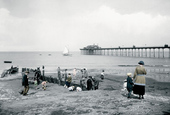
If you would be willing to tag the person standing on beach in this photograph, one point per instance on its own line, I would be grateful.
(74, 72)
(38, 75)
(82, 73)
(59, 75)
(129, 84)
(25, 83)
(139, 80)
(102, 75)
(85, 73)
(90, 83)
(65, 76)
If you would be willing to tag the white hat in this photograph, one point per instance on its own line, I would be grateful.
(129, 74)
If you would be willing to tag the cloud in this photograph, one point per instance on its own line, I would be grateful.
(16, 31)
(122, 27)
(53, 25)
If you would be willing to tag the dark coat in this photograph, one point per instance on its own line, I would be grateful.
(129, 84)
(89, 84)
(25, 80)
(38, 74)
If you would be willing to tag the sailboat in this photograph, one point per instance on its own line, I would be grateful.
(66, 52)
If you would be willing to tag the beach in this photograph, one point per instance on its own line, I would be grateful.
(109, 99)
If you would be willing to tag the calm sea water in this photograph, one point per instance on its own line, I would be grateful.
(157, 68)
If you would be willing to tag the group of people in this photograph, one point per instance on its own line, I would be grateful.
(91, 83)
(137, 82)
(86, 82)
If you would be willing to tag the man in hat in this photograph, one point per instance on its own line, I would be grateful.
(25, 83)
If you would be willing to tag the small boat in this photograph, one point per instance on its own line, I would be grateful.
(4, 73)
(7, 61)
(13, 70)
(66, 52)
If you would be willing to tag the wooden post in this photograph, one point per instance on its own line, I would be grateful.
(59, 76)
(112, 52)
(145, 52)
(158, 53)
(138, 52)
(150, 53)
(154, 52)
(142, 53)
(169, 52)
(43, 71)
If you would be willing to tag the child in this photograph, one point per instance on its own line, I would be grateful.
(44, 85)
(102, 75)
(35, 82)
(68, 81)
(129, 84)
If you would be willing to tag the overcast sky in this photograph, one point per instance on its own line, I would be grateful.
(50, 25)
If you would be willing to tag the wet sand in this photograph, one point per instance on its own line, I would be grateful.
(109, 99)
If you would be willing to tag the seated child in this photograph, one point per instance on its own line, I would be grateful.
(68, 81)
(95, 83)
(129, 84)
(44, 85)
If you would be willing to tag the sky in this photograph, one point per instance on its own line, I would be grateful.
(50, 25)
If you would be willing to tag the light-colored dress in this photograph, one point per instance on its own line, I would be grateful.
(139, 80)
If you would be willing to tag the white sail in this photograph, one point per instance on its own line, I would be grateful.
(66, 51)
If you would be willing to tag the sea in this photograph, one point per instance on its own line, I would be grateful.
(157, 68)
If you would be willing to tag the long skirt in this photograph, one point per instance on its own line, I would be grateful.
(138, 89)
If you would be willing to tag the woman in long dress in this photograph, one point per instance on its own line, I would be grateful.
(139, 80)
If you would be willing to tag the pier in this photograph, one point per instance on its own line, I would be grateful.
(154, 51)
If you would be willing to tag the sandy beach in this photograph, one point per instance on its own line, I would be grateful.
(109, 99)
